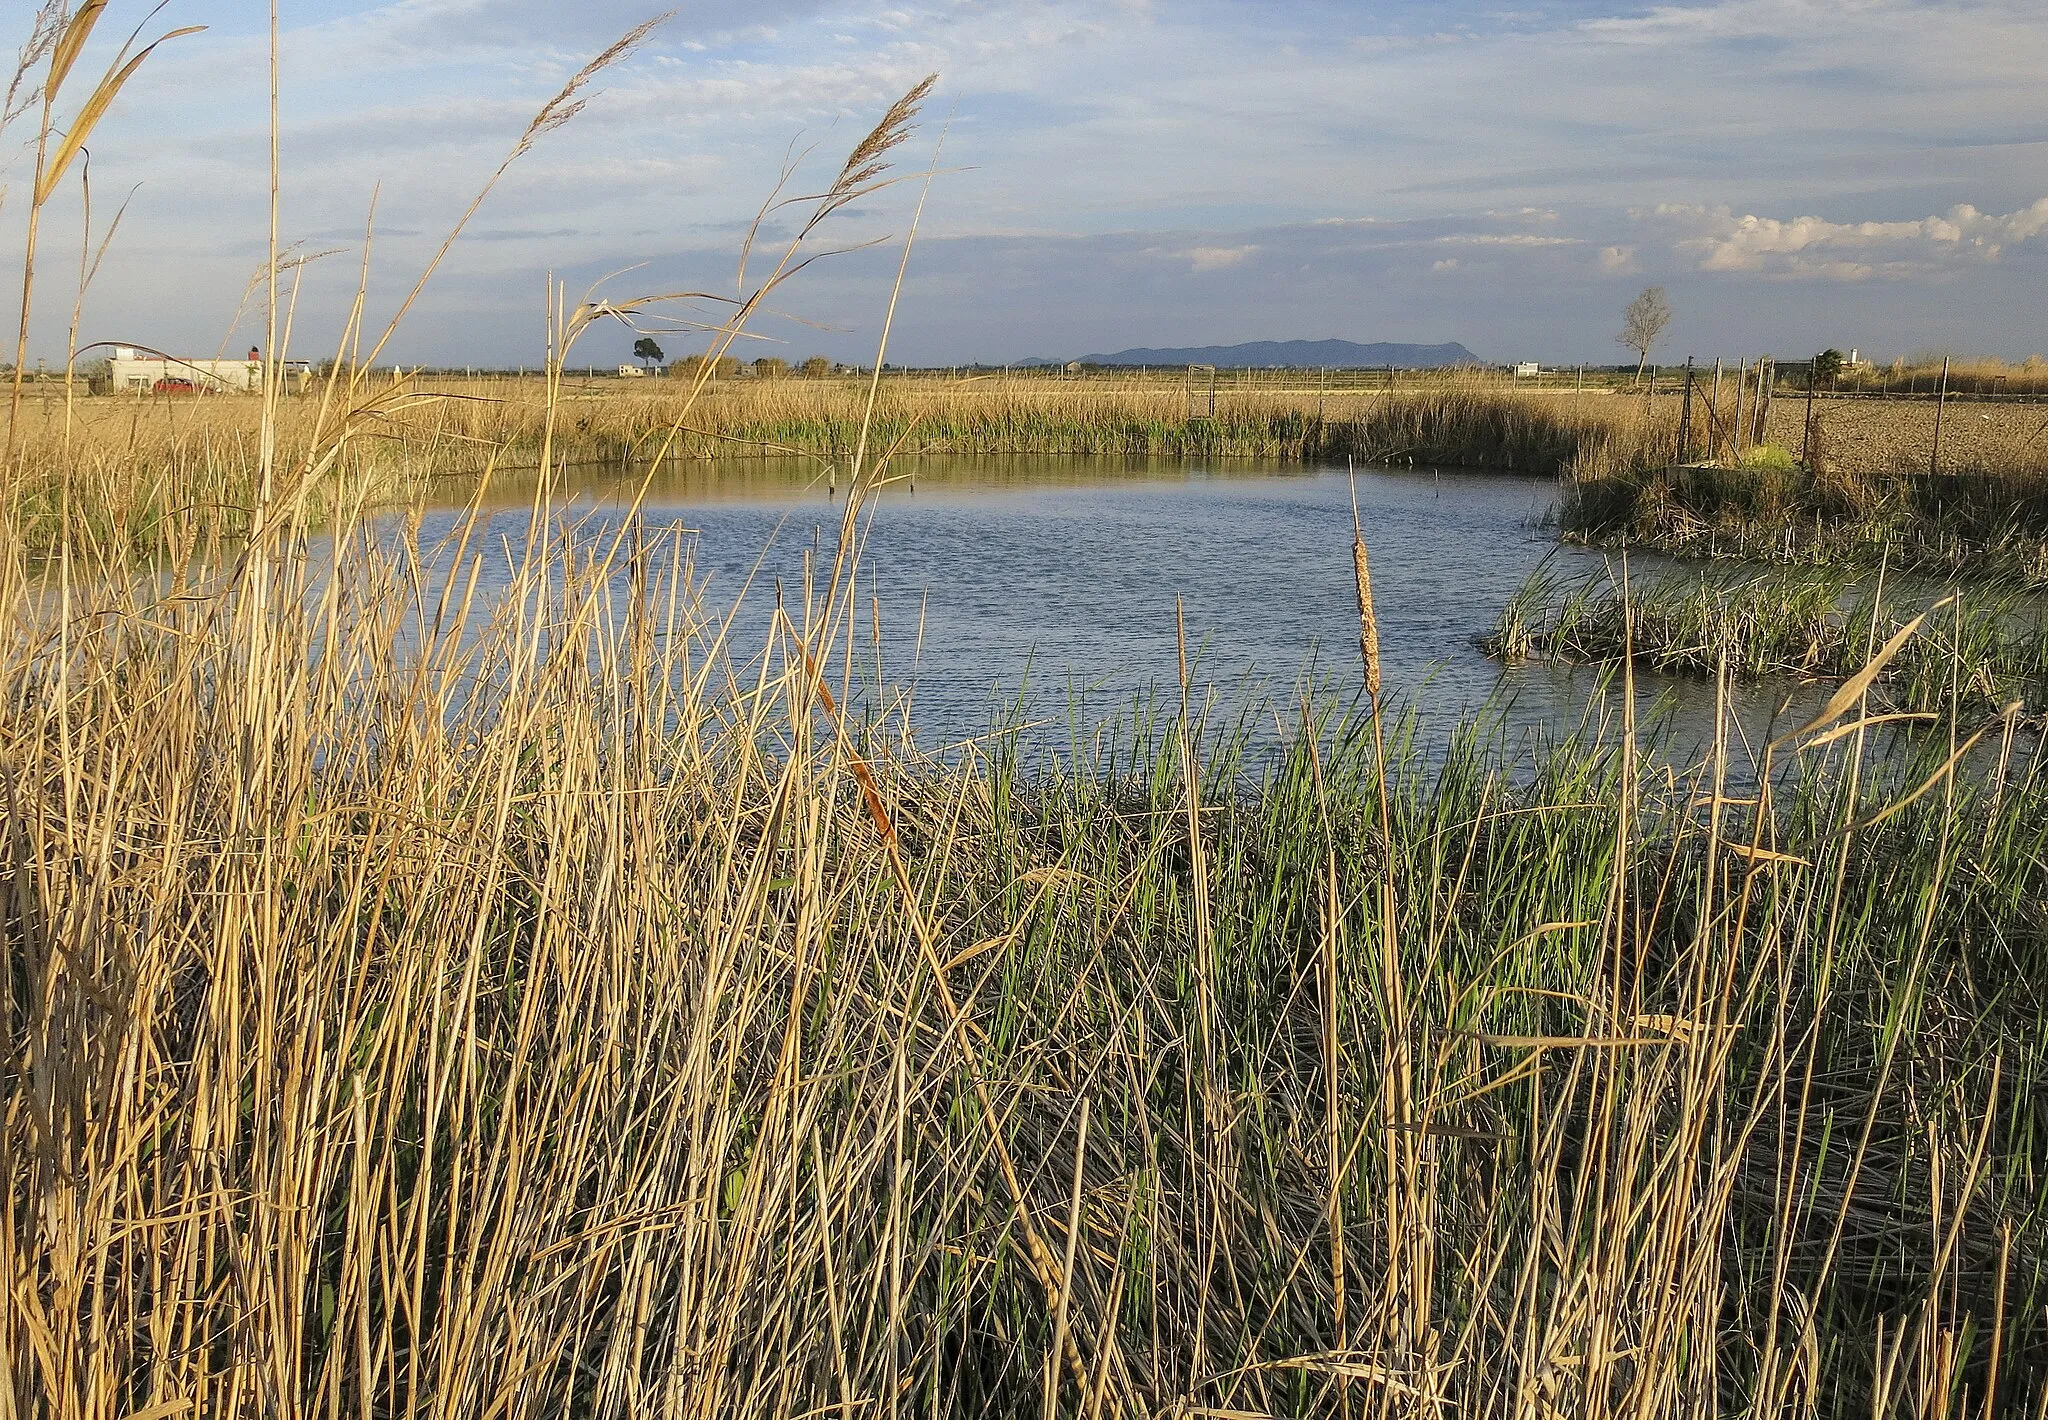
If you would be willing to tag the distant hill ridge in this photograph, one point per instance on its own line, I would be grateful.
(1291, 354)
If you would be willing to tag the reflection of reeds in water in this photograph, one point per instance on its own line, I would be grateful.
(134, 463)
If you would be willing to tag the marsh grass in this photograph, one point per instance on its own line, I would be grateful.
(550, 1007)
(129, 464)
(1923, 376)
(1961, 523)
(1977, 649)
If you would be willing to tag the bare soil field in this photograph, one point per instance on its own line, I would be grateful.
(1897, 436)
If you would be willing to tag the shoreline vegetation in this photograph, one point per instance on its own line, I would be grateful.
(201, 454)
(1862, 490)
(1977, 651)
(592, 1020)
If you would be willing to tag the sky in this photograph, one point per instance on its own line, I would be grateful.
(1095, 175)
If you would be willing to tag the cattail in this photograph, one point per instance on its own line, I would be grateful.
(1368, 624)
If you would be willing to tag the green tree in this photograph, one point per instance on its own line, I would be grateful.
(770, 368)
(816, 368)
(1827, 366)
(688, 367)
(646, 351)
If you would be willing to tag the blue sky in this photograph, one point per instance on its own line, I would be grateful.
(1869, 173)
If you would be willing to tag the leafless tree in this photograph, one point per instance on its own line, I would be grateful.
(1642, 324)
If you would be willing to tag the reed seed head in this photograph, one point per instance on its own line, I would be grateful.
(1368, 622)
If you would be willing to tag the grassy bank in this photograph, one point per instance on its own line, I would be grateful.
(1468, 422)
(1977, 650)
(130, 464)
(444, 422)
(1970, 523)
(414, 1005)
(1864, 482)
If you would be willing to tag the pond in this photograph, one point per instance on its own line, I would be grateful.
(1046, 587)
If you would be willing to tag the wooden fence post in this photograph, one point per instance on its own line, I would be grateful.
(1735, 425)
(1714, 415)
(1685, 415)
(1806, 438)
(1940, 403)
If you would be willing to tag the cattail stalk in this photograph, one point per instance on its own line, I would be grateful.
(1368, 622)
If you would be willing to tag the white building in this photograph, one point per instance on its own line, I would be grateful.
(137, 371)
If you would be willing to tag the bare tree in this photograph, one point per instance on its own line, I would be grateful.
(1642, 324)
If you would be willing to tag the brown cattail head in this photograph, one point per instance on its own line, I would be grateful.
(1368, 624)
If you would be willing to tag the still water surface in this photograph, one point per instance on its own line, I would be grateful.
(1047, 586)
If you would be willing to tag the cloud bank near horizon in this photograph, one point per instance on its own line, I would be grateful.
(1116, 173)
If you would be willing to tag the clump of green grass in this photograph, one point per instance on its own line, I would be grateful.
(1981, 523)
(1773, 457)
(1979, 648)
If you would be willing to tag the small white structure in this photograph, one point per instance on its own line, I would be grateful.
(632, 372)
(134, 370)
(138, 371)
(1528, 370)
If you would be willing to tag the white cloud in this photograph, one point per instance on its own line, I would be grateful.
(1218, 258)
(1505, 239)
(1449, 263)
(1850, 251)
(1617, 261)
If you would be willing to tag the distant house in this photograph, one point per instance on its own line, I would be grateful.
(632, 372)
(132, 371)
(1528, 370)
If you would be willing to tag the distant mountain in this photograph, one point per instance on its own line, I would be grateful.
(1291, 354)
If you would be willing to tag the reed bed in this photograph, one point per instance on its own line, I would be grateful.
(449, 423)
(1979, 523)
(1980, 375)
(128, 466)
(1845, 483)
(421, 1006)
(419, 1003)
(1977, 648)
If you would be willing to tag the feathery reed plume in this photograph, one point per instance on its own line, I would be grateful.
(868, 161)
(51, 163)
(42, 36)
(565, 105)
(557, 111)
